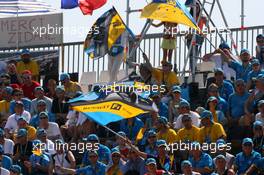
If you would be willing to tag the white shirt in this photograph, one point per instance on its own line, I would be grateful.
(194, 117)
(81, 119)
(60, 160)
(33, 109)
(11, 123)
(53, 130)
(4, 171)
(228, 72)
(8, 146)
(259, 118)
(72, 119)
(49, 147)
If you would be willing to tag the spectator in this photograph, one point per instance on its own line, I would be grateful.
(62, 158)
(11, 124)
(6, 81)
(27, 63)
(164, 132)
(5, 103)
(52, 128)
(7, 144)
(122, 146)
(217, 57)
(260, 45)
(260, 115)
(28, 85)
(15, 170)
(47, 145)
(41, 107)
(220, 166)
(118, 163)
(52, 84)
(38, 164)
(261, 57)
(258, 137)
(18, 96)
(252, 75)
(185, 109)
(189, 133)
(151, 166)
(187, 169)
(210, 131)
(71, 88)
(22, 123)
(131, 127)
(201, 161)
(96, 167)
(40, 95)
(151, 147)
(163, 108)
(103, 152)
(6, 161)
(247, 157)
(15, 78)
(257, 167)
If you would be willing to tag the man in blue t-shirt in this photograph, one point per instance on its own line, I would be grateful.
(5, 161)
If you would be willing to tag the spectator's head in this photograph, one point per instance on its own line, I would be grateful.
(155, 96)
(37, 145)
(224, 46)
(260, 40)
(39, 92)
(245, 55)
(132, 155)
(213, 90)
(27, 77)
(17, 94)
(11, 68)
(195, 149)
(41, 106)
(116, 155)
(258, 129)
(260, 82)
(22, 122)
(184, 107)
(60, 92)
(186, 167)
(15, 170)
(199, 110)
(42, 134)
(162, 147)
(59, 146)
(5, 79)
(93, 139)
(255, 65)
(25, 56)
(120, 140)
(247, 146)
(152, 137)
(151, 165)
(65, 78)
(162, 123)
(52, 84)
(261, 106)
(21, 136)
(220, 162)
(219, 75)
(187, 121)
(206, 118)
(166, 66)
(240, 86)
(7, 93)
(144, 71)
(43, 119)
(221, 146)
(19, 107)
(176, 92)
(211, 103)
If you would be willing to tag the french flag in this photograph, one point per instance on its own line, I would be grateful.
(87, 6)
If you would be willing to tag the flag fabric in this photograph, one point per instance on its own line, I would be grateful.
(107, 35)
(169, 11)
(87, 6)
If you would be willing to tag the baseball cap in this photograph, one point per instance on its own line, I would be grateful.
(220, 156)
(186, 117)
(27, 72)
(41, 102)
(161, 143)
(247, 140)
(22, 132)
(92, 137)
(19, 103)
(218, 70)
(150, 161)
(16, 169)
(22, 118)
(260, 103)
(151, 133)
(212, 98)
(259, 36)
(163, 120)
(39, 88)
(260, 78)
(206, 114)
(186, 162)
(244, 51)
(64, 76)
(255, 62)
(221, 142)
(25, 52)
(224, 45)
(121, 133)
(8, 90)
(239, 82)
(184, 103)
(93, 152)
(41, 132)
(115, 151)
(43, 115)
(176, 89)
(257, 123)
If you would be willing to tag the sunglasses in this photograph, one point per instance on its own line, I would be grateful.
(152, 137)
(184, 121)
(42, 118)
(115, 156)
(248, 144)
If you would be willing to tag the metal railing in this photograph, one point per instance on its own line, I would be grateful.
(73, 59)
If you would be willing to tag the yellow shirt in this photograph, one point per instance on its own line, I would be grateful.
(170, 136)
(31, 133)
(168, 78)
(189, 135)
(32, 66)
(4, 106)
(71, 90)
(114, 170)
(212, 133)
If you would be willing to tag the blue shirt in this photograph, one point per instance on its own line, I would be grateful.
(152, 150)
(222, 105)
(132, 131)
(99, 169)
(260, 165)
(205, 161)
(226, 90)
(25, 101)
(236, 104)
(6, 162)
(241, 71)
(253, 74)
(43, 160)
(34, 121)
(163, 110)
(104, 155)
(243, 162)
